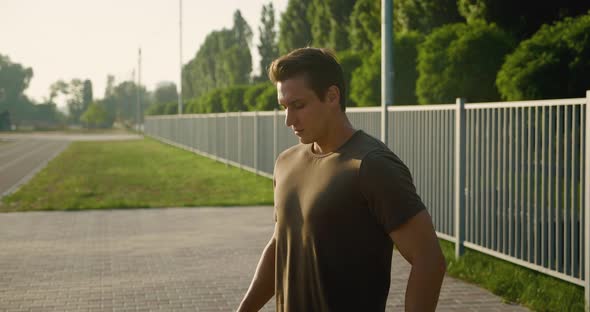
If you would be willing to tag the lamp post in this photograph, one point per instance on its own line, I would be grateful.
(180, 60)
(386, 63)
(138, 110)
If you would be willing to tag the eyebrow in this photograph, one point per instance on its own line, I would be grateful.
(292, 102)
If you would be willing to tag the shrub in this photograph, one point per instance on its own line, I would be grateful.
(461, 60)
(553, 63)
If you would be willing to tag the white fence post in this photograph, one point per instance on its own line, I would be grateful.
(215, 119)
(587, 207)
(226, 140)
(459, 177)
(239, 139)
(255, 142)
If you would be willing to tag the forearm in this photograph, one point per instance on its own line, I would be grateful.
(424, 285)
(262, 287)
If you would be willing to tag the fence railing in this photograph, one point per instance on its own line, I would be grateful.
(522, 167)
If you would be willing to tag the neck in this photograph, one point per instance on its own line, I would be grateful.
(334, 138)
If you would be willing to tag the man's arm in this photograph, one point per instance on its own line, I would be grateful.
(417, 242)
(262, 287)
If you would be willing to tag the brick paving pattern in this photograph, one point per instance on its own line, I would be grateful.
(177, 259)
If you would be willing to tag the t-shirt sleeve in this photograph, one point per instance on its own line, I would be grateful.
(386, 184)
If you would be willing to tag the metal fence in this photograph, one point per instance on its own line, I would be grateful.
(522, 167)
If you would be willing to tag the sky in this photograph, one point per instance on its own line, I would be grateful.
(90, 39)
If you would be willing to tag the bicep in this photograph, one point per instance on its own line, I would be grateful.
(416, 237)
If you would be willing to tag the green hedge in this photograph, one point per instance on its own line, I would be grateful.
(366, 79)
(553, 63)
(461, 60)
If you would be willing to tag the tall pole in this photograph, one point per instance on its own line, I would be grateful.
(137, 87)
(460, 155)
(587, 207)
(386, 63)
(180, 53)
(139, 90)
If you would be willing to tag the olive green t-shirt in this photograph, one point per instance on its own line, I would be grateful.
(334, 213)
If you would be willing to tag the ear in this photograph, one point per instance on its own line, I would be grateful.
(333, 96)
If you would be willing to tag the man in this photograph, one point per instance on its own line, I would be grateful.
(342, 198)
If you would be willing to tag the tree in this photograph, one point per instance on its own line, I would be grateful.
(212, 102)
(238, 59)
(108, 91)
(57, 88)
(193, 106)
(294, 30)
(223, 60)
(553, 63)
(424, 15)
(109, 117)
(319, 17)
(165, 92)
(252, 93)
(121, 104)
(340, 18)
(160, 108)
(14, 80)
(365, 89)
(75, 100)
(365, 26)
(267, 99)
(328, 19)
(5, 122)
(171, 108)
(461, 60)
(241, 29)
(521, 18)
(366, 79)
(236, 66)
(76, 93)
(232, 99)
(87, 94)
(267, 48)
(95, 116)
(349, 60)
(46, 115)
(108, 102)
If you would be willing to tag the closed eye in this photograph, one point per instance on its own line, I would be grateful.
(292, 106)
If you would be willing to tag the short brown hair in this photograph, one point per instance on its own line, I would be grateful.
(319, 67)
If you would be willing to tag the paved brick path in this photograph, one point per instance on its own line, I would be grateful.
(178, 259)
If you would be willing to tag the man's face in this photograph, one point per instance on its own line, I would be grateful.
(306, 114)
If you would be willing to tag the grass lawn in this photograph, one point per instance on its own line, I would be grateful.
(136, 174)
(514, 283)
(95, 131)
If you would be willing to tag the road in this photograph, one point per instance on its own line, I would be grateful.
(22, 155)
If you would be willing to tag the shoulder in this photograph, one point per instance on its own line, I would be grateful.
(362, 144)
(375, 152)
(292, 152)
(384, 164)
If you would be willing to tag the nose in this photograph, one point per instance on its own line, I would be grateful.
(289, 118)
